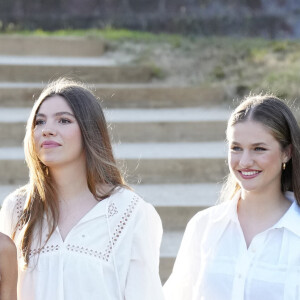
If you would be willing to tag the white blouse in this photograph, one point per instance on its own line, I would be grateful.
(214, 263)
(111, 254)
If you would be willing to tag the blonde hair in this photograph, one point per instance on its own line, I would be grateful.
(273, 113)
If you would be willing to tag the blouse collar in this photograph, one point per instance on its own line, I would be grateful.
(99, 210)
(229, 210)
(290, 220)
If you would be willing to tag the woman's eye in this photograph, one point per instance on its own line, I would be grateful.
(259, 149)
(64, 121)
(236, 148)
(39, 122)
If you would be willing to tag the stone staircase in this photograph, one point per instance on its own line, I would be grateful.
(170, 137)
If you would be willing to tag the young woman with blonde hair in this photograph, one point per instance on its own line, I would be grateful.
(248, 246)
(81, 232)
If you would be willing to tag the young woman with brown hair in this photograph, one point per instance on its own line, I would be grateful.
(82, 233)
(248, 246)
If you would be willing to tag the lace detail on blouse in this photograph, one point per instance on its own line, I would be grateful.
(19, 209)
(86, 251)
(120, 227)
(112, 209)
(45, 249)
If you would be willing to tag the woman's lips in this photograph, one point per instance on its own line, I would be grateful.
(249, 174)
(50, 144)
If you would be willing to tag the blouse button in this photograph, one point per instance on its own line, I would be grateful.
(83, 236)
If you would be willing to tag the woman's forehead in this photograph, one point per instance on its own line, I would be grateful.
(250, 132)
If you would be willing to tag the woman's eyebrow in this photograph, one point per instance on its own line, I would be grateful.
(259, 144)
(56, 114)
(254, 144)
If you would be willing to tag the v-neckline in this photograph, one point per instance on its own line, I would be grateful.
(86, 216)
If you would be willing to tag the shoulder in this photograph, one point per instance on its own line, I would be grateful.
(7, 246)
(209, 215)
(134, 205)
(126, 197)
(16, 199)
(125, 194)
(11, 210)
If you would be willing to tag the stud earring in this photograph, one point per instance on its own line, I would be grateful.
(283, 166)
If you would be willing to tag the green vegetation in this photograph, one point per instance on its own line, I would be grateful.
(241, 65)
(107, 33)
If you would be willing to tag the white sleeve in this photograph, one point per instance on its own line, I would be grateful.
(143, 281)
(8, 217)
(180, 284)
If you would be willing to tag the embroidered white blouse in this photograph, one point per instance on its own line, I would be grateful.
(214, 263)
(117, 241)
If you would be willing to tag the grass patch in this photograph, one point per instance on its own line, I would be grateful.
(241, 65)
(108, 33)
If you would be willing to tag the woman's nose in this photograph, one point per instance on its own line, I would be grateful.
(246, 160)
(48, 131)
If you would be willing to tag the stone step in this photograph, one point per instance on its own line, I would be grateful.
(130, 95)
(165, 268)
(12, 134)
(145, 163)
(14, 60)
(178, 203)
(169, 248)
(51, 46)
(43, 69)
(171, 243)
(136, 125)
(199, 195)
(175, 203)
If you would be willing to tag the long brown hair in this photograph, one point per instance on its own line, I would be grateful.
(41, 195)
(273, 113)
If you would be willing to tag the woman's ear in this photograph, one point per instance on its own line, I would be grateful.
(287, 153)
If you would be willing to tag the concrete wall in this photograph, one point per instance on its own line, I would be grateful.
(267, 18)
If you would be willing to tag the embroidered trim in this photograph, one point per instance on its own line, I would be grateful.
(111, 243)
(112, 210)
(45, 249)
(120, 227)
(86, 251)
(19, 206)
(19, 209)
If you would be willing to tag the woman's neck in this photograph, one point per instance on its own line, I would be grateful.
(259, 211)
(70, 181)
(262, 203)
